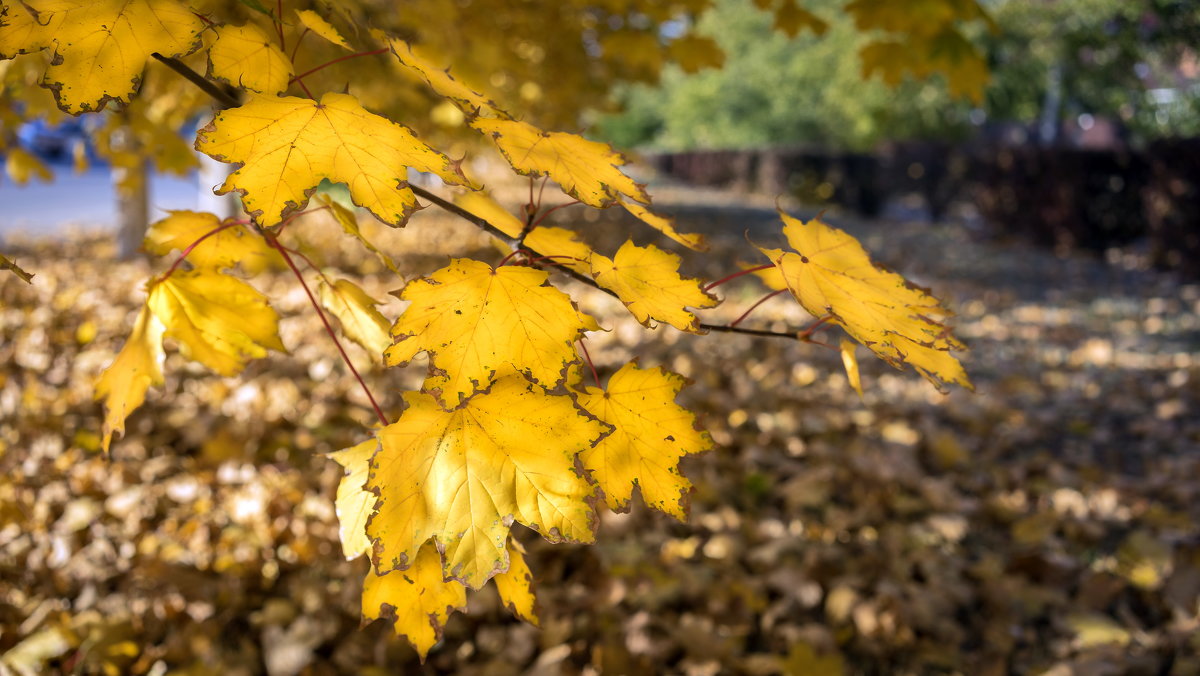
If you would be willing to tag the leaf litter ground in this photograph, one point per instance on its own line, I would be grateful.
(1045, 524)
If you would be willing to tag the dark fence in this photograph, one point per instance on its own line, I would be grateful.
(1057, 197)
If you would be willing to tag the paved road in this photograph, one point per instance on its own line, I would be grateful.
(84, 200)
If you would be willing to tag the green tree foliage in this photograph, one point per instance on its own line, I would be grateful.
(1125, 60)
(1110, 55)
(813, 92)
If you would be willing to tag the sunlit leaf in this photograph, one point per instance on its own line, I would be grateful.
(587, 170)
(469, 100)
(286, 146)
(516, 584)
(100, 46)
(138, 365)
(647, 281)
(1095, 629)
(831, 274)
(666, 225)
(246, 57)
(651, 433)
(850, 363)
(354, 503)
(234, 245)
(356, 312)
(416, 601)
(319, 26)
(563, 247)
(479, 323)
(219, 321)
(349, 222)
(464, 476)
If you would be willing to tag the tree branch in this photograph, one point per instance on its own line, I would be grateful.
(209, 87)
(453, 208)
(222, 97)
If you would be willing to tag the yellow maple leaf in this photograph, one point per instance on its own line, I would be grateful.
(349, 222)
(354, 503)
(771, 276)
(589, 171)
(515, 585)
(8, 264)
(464, 476)
(416, 602)
(137, 366)
(234, 245)
(647, 281)
(245, 56)
(361, 322)
(666, 225)
(964, 67)
(651, 433)
(560, 245)
(639, 51)
(791, 18)
(831, 274)
(322, 28)
(850, 363)
(465, 97)
(100, 46)
(219, 320)
(286, 145)
(23, 166)
(915, 17)
(479, 324)
(694, 53)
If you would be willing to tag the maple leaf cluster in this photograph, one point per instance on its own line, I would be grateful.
(503, 431)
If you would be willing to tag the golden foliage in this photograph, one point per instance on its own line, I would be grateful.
(650, 434)
(464, 476)
(647, 281)
(480, 324)
(285, 146)
(830, 273)
(92, 67)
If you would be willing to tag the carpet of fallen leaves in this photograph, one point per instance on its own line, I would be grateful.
(1047, 524)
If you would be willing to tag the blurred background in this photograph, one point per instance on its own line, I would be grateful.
(1032, 162)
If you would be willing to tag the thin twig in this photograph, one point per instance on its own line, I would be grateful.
(183, 256)
(552, 210)
(741, 273)
(279, 25)
(720, 328)
(328, 327)
(588, 357)
(806, 334)
(754, 307)
(337, 60)
(296, 48)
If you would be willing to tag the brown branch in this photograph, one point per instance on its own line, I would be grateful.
(327, 64)
(453, 208)
(206, 85)
(210, 88)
